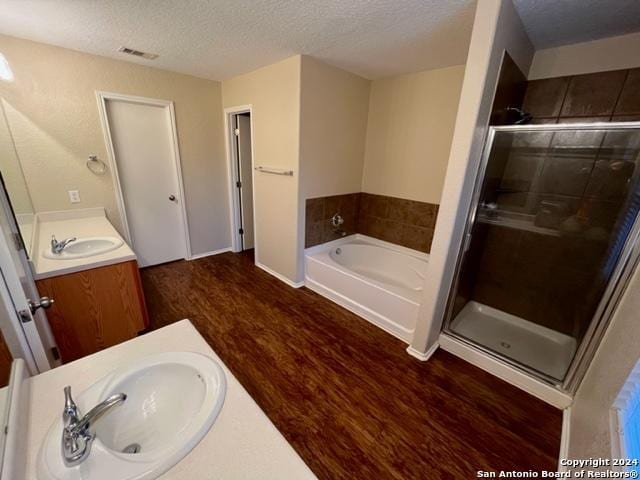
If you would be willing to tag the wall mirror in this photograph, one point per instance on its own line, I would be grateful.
(14, 178)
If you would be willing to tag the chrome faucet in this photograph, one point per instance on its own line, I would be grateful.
(57, 247)
(336, 222)
(77, 435)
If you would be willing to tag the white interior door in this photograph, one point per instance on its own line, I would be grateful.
(245, 172)
(144, 151)
(26, 329)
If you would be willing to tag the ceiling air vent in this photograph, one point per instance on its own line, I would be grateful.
(138, 53)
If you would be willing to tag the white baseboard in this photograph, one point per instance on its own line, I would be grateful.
(506, 372)
(279, 276)
(424, 356)
(208, 254)
(564, 439)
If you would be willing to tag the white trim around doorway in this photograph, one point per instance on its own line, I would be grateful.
(234, 207)
(102, 98)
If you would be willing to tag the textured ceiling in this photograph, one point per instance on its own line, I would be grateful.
(218, 39)
(551, 23)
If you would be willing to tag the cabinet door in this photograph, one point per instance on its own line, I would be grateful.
(95, 309)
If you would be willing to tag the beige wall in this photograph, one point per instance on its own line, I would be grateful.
(53, 113)
(614, 360)
(11, 170)
(390, 136)
(333, 125)
(613, 53)
(496, 27)
(274, 94)
(410, 126)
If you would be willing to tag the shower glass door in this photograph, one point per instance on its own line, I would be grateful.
(554, 212)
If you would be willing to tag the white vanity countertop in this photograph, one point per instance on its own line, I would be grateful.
(242, 443)
(89, 222)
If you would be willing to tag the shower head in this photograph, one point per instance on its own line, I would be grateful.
(523, 117)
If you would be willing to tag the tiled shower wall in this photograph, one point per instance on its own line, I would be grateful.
(540, 170)
(404, 222)
(546, 278)
(595, 97)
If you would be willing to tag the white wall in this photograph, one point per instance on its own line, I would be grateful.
(613, 53)
(615, 358)
(53, 114)
(409, 132)
(496, 27)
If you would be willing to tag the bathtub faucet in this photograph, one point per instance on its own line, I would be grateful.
(336, 221)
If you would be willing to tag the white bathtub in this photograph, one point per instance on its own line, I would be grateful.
(377, 280)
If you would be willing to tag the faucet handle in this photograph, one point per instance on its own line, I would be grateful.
(70, 412)
(336, 220)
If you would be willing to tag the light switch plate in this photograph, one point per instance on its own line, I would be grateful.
(74, 196)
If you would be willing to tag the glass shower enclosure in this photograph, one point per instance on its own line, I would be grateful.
(551, 239)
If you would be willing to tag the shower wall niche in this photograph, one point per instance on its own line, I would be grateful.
(555, 207)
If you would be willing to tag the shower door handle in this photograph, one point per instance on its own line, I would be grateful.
(467, 243)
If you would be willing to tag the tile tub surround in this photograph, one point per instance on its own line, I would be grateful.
(404, 222)
(318, 212)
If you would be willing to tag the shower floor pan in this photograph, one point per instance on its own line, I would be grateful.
(535, 346)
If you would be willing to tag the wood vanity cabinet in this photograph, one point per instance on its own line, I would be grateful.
(95, 309)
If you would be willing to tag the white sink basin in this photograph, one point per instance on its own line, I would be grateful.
(173, 400)
(85, 247)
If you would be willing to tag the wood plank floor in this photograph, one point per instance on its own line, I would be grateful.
(344, 393)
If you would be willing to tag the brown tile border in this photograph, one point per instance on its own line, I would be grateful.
(396, 220)
(318, 212)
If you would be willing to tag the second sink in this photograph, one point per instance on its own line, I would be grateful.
(85, 247)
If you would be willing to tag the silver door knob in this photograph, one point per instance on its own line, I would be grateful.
(172, 198)
(44, 302)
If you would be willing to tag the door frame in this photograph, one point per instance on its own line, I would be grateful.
(232, 174)
(23, 337)
(102, 98)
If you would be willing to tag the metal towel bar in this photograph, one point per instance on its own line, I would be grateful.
(275, 171)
